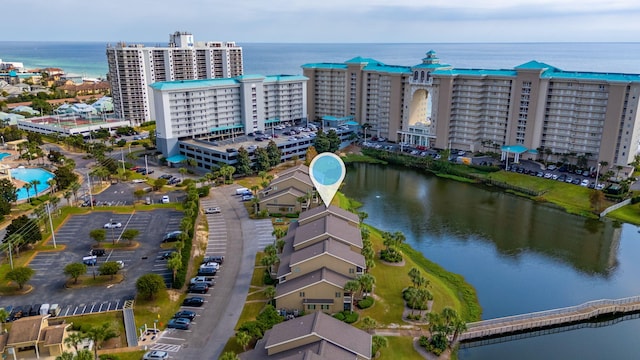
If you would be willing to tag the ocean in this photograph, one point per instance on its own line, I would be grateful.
(89, 58)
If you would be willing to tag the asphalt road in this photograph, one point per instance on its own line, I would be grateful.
(215, 321)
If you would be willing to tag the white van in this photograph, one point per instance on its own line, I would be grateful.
(54, 310)
(44, 309)
(241, 191)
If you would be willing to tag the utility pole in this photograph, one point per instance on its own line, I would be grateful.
(53, 234)
(89, 184)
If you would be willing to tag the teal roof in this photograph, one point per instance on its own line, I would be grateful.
(278, 78)
(431, 66)
(189, 84)
(324, 66)
(533, 64)
(516, 149)
(474, 72)
(226, 127)
(176, 158)
(249, 77)
(363, 60)
(613, 77)
(380, 67)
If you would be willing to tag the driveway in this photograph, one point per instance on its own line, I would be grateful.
(238, 238)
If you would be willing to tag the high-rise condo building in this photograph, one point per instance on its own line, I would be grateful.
(133, 67)
(523, 111)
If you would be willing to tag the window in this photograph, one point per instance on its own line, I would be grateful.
(324, 307)
(338, 294)
(311, 307)
(301, 293)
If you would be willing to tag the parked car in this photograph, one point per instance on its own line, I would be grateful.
(172, 236)
(213, 258)
(208, 271)
(165, 199)
(199, 288)
(112, 225)
(91, 260)
(212, 264)
(212, 210)
(185, 314)
(247, 197)
(155, 355)
(584, 182)
(167, 255)
(194, 301)
(202, 280)
(179, 323)
(97, 252)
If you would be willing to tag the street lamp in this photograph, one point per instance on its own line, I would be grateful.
(597, 175)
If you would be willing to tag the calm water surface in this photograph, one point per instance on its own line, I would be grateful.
(520, 256)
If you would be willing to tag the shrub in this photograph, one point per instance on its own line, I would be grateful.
(293, 216)
(635, 199)
(267, 279)
(350, 317)
(275, 214)
(365, 303)
(339, 316)
(390, 255)
(203, 191)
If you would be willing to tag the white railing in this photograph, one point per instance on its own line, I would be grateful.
(559, 311)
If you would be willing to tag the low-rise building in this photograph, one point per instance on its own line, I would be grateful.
(314, 336)
(33, 336)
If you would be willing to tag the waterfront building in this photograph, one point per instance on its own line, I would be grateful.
(82, 123)
(132, 67)
(531, 108)
(209, 120)
(312, 336)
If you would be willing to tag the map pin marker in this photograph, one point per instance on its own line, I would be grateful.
(327, 172)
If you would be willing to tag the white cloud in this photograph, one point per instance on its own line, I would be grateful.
(330, 20)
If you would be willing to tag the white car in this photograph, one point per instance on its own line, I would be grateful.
(584, 183)
(212, 210)
(112, 225)
(155, 355)
(165, 199)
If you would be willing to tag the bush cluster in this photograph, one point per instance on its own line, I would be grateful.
(365, 303)
(390, 255)
(347, 316)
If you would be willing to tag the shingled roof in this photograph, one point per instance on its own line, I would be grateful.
(328, 226)
(321, 211)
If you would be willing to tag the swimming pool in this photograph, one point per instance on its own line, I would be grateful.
(4, 155)
(27, 175)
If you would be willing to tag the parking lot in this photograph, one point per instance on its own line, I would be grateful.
(49, 279)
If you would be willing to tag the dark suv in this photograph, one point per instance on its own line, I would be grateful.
(97, 252)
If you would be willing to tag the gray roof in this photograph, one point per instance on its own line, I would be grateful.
(331, 247)
(301, 168)
(312, 278)
(285, 255)
(335, 332)
(328, 226)
(321, 211)
(292, 190)
(319, 350)
(300, 176)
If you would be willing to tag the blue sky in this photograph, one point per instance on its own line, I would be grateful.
(405, 21)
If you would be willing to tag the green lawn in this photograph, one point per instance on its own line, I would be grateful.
(400, 347)
(572, 198)
(629, 214)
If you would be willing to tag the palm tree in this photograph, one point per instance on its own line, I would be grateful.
(73, 339)
(99, 334)
(378, 342)
(366, 283)
(229, 355)
(352, 286)
(270, 293)
(52, 184)
(175, 264)
(243, 339)
(369, 324)
(75, 186)
(35, 183)
(182, 171)
(67, 195)
(27, 187)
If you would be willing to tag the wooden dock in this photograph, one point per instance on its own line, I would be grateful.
(549, 318)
